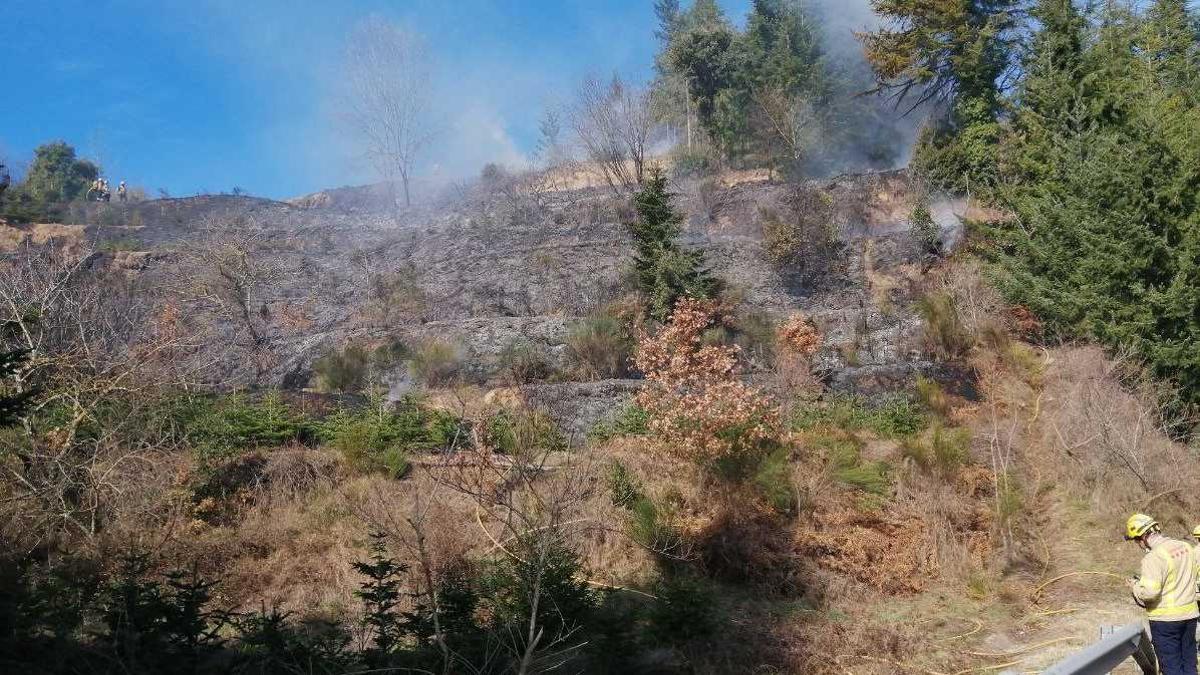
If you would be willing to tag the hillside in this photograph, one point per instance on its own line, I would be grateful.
(950, 491)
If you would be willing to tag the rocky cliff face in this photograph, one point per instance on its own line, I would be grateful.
(501, 263)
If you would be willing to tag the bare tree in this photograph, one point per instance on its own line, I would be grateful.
(230, 273)
(551, 150)
(535, 497)
(614, 122)
(791, 122)
(99, 353)
(387, 98)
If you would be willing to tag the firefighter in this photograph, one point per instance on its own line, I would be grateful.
(121, 191)
(1166, 588)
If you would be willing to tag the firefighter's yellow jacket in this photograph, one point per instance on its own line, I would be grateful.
(1167, 584)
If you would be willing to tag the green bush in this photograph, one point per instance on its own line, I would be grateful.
(688, 163)
(891, 416)
(342, 371)
(624, 488)
(630, 420)
(523, 433)
(599, 348)
(685, 609)
(379, 438)
(943, 450)
(773, 481)
(220, 428)
(548, 572)
(435, 363)
(923, 230)
(945, 335)
(844, 457)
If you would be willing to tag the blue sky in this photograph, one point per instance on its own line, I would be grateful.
(212, 94)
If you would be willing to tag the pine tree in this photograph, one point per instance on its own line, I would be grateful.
(665, 272)
(381, 595)
(1105, 238)
(1051, 98)
(1171, 47)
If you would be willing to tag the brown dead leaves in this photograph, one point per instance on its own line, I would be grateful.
(699, 410)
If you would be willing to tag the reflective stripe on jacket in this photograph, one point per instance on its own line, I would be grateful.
(1167, 585)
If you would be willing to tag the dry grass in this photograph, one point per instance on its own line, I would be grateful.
(39, 233)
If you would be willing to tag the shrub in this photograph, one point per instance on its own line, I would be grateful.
(923, 231)
(520, 363)
(624, 489)
(599, 348)
(871, 477)
(687, 163)
(756, 334)
(698, 409)
(222, 428)
(799, 336)
(945, 335)
(631, 420)
(684, 609)
(396, 296)
(893, 416)
(773, 480)
(344, 371)
(943, 450)
(648, 526)
(805, 242)
(540, 570)
(379, 438)
(933, 396)
(522, 433)
(435, 363)
(844, 458)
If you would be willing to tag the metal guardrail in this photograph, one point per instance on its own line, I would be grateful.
(1099, 658)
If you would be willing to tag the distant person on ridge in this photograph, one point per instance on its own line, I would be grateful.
(121, 191)
(1166, 588)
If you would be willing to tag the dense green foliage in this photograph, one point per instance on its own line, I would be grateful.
(894, 416)
(379, 438)
(355, 368)
(665, 271)
(220, 428)
(772, 94)
(55, 176)
(1102, 174)
(630, 420)
(1089, 142)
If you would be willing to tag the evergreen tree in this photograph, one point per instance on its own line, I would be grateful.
(958, 53)
(1171, 47)
(1105, 192)
(381, 595)
(665, 272)
(667, 13)
(1052, 99)
(57, 175)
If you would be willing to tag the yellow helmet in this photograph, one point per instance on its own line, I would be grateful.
(1196, 531)
(1139, 524)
